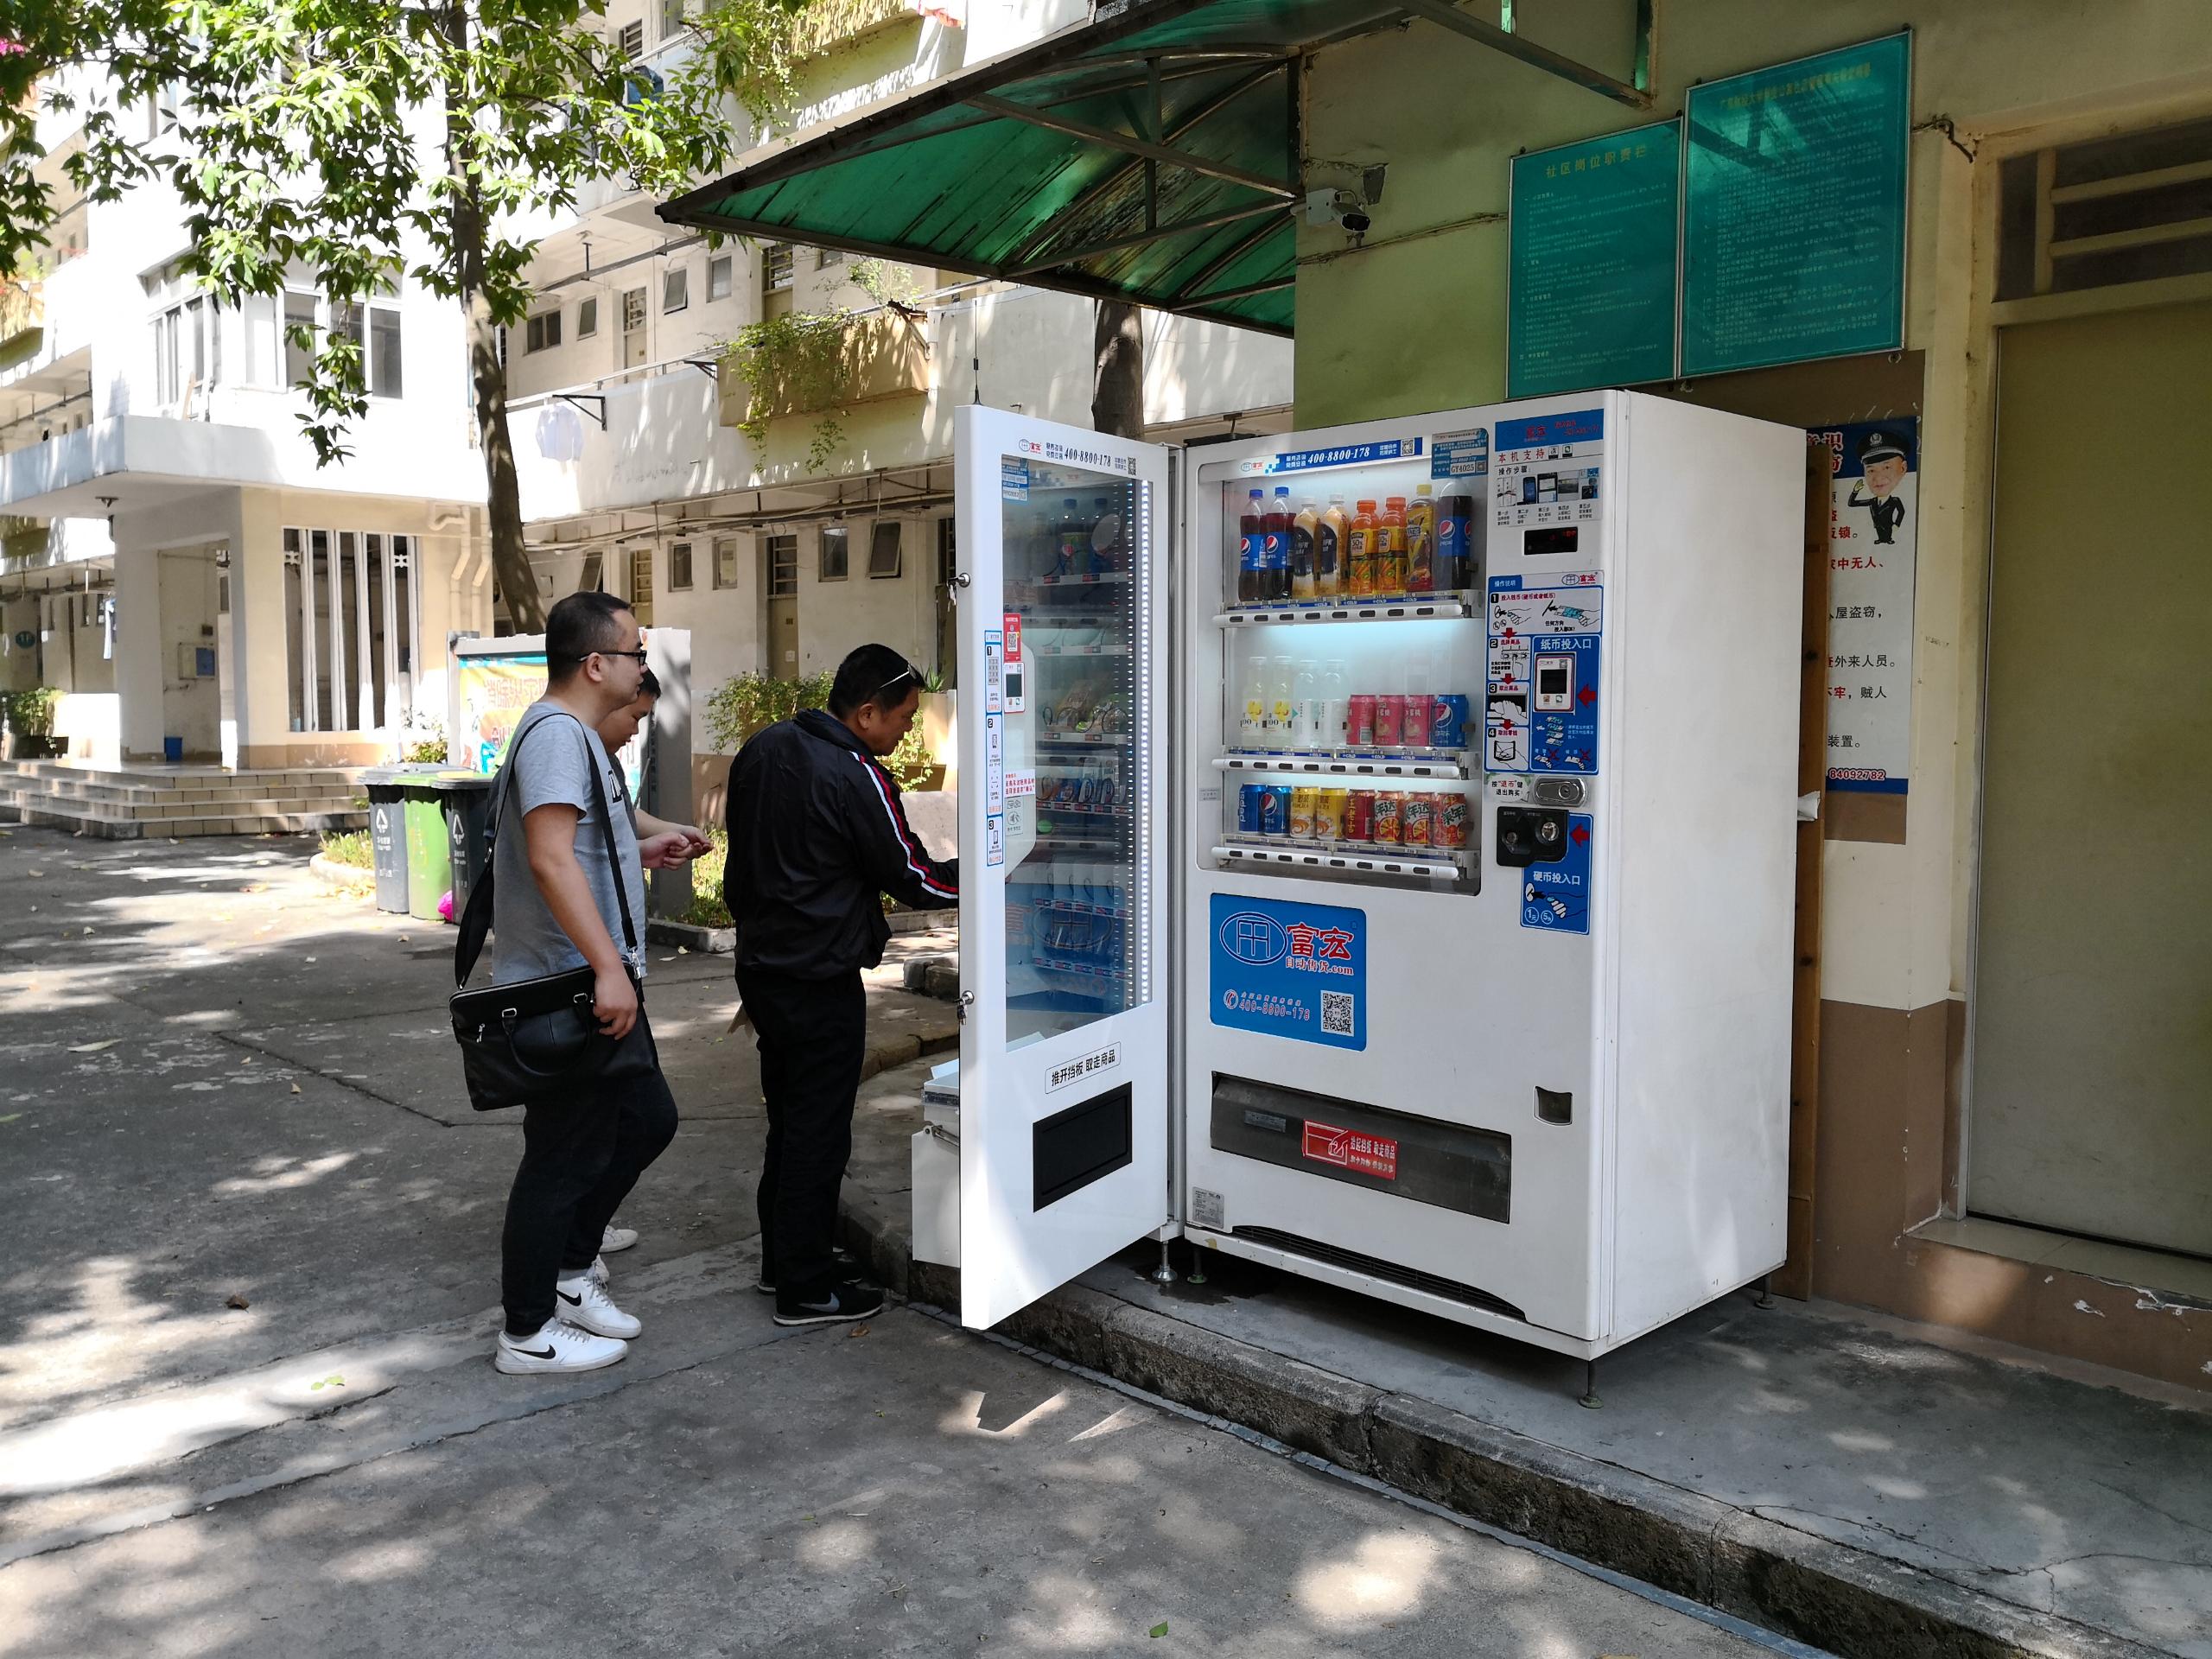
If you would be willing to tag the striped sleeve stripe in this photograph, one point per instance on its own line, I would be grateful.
(914, 855)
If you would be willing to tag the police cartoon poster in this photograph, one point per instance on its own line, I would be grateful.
(1874, 523)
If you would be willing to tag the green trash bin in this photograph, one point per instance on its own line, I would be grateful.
(429, 855)
(388, 835)
(468, 826)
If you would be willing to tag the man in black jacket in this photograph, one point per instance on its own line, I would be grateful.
(817, 836)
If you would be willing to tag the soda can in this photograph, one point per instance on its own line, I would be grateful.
(1359, 815)
(1390, 720)
(1274, 809)
(1301, 812)
(1447, 826)
(1448, 714)
(1388, 821)
(1248, 809)
(1359, 722)
(1329, 808)
(1416, 811)
(1412, 724)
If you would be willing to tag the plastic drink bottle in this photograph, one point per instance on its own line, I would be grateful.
(1252, 728)
(1304, 535)
(1329, 551)
(1420, 541)
(1074, 540)
(1306, 710)
(1248, 552)
(1278, 544)
(1278, 702)
(1454, 525)
(1108, 550)
(1336, 707)
(1360, 560)
(1391, 548)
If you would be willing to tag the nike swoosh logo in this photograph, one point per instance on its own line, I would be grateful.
(573, 1302)
(535, 1353)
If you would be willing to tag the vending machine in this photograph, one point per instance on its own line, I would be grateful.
(1377, 854)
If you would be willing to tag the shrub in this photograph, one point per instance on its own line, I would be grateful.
(349, 848)
(707, 909)
(740, 707)
(30, 714)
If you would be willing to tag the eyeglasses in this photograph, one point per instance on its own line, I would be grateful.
(641, 654)
(909, 672)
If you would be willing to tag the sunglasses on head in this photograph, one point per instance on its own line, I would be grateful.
(909, 672)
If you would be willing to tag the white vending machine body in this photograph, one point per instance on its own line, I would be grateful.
(1064, 1116)
(1507, 1040)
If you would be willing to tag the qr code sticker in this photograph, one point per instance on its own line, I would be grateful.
(1337, 1013)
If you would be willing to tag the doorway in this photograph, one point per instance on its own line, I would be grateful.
(2092, 1006)
(779, 570)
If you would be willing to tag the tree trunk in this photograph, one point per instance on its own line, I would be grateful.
(1117, 377)
(503, 497)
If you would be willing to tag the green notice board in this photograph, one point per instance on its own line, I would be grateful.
(1793, 238)
(1592, 262)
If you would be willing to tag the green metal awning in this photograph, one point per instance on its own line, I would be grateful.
(1150, 155)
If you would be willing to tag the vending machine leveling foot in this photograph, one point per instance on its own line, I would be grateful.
(1589, 1396)
(1765, 1298)
(1164, 1274)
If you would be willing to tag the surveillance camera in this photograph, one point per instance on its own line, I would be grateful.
(1356, 222)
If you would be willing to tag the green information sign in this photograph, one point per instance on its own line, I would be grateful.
(1592, 271)
(1793, 238)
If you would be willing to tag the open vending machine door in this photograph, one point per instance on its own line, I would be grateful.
(1064, 835)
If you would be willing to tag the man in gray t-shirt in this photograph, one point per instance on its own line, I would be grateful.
(556, 906)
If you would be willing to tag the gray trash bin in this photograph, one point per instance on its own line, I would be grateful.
(468, 827)
(388, 836)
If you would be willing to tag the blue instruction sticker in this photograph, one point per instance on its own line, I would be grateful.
(1294, 970)
(1014, 479)
(1557, 896)
(1459, 455)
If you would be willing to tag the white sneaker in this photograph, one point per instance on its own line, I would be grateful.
(589, 1305)
(599, 1273)
(617, 1238)
(556, 1347)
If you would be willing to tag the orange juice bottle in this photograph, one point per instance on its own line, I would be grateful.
(1360, 560)
(1390, 550)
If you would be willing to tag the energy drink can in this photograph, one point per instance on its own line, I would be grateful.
(1359, 722)
(1248, 809)
(1301, 812)
(1413, 722)
(1390, 720)
(1329, 808)
(1416, 812)
(1388, 821)
(1447, 828)
(1359, 815)
(1448, 714)
(1274, 809)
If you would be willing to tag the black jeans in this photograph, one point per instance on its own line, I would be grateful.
(812, 1034)
(580, 1155)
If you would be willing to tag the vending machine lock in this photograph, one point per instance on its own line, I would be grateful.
(1530, 835)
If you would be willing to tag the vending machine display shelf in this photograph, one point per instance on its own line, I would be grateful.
(1077, 651)
(1080, 740)
(1071, 907)
(1054, 844)
(1437, 764)
(1072, 809)
(1085, 579)
(1087, 970)
(1373, 860)
(1438, 606)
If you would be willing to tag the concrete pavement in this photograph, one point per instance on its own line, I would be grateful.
(246, 1299)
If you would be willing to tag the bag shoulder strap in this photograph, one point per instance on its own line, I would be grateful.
(476, 921)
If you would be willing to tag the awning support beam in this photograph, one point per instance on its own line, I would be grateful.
(1138, 239)
(1073, 212)
(1445, 14)
(1192, 292)
(1008, 110)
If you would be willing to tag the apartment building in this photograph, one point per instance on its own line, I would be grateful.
(176, 564)
(636, 477)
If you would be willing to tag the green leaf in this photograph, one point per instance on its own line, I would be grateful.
(1159, 1629)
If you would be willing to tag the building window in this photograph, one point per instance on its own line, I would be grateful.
(830, 566)
(630, 42)
(675, 288)
(299, 337)
(775, 268)
(671, 17)
(679, 567)
(718, 278)
(824, 258)
(187, 349)
(783, 567)
(641, 585)
(586, 319)
(633, 309)
(353, 616)
(725, 563)
(379, 346)
(541, 331)
(883, 555)
(593, 580)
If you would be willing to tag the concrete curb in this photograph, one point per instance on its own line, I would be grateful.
(699, 941)
(1846, 1599)
(328, 871)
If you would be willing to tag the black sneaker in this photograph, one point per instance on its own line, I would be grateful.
(843, 1262)
(856, 1299)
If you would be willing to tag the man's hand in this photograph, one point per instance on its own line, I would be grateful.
(615, 1003)
(671, 847)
